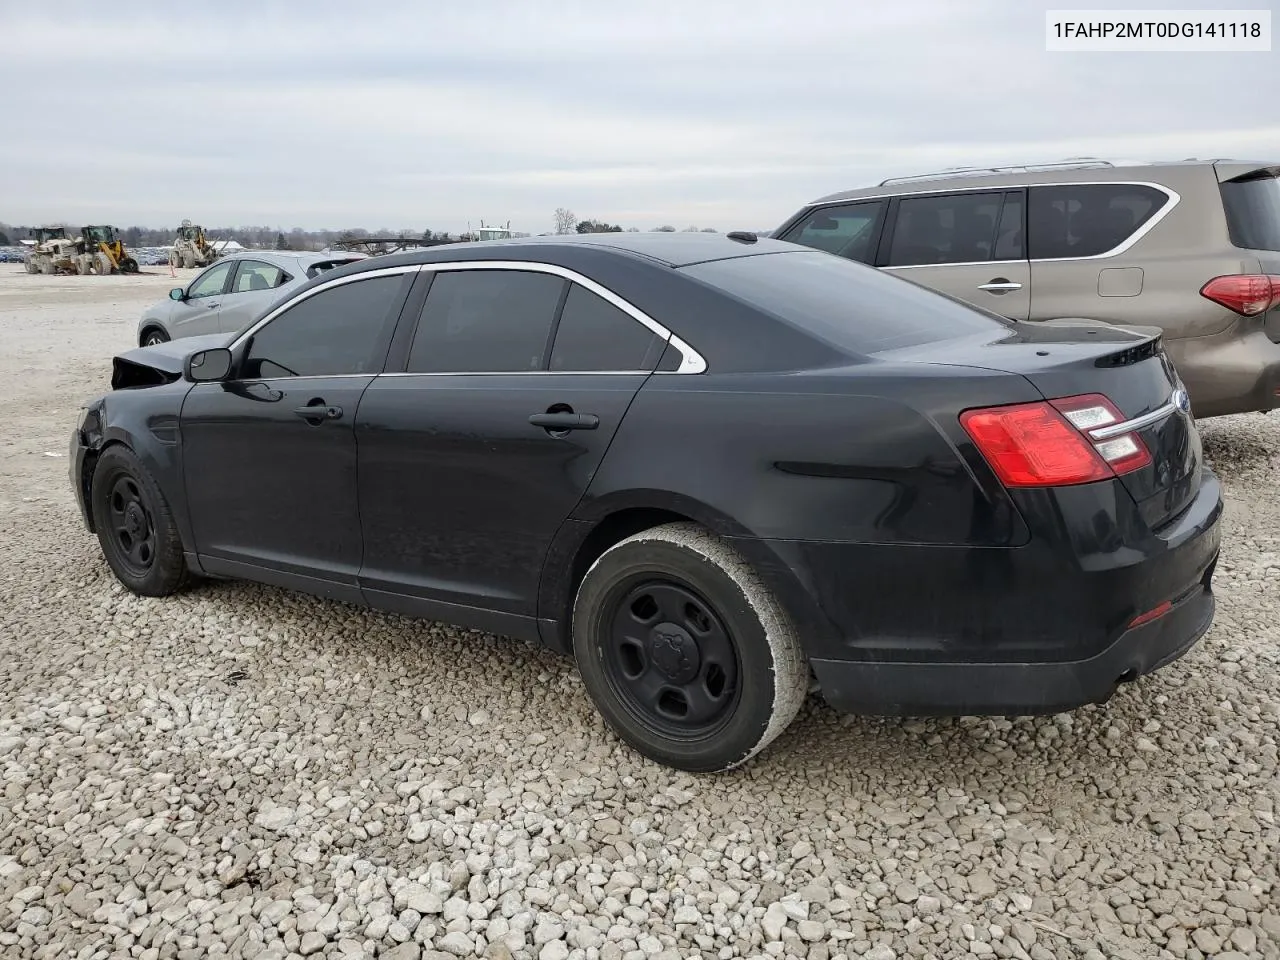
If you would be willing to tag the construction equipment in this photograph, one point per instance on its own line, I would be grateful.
(191, 248)
(100, 251)
(51, 251)
(383, 246)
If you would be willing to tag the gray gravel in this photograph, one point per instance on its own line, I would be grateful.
(245, 772)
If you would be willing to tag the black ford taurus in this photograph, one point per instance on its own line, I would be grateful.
(716, 470)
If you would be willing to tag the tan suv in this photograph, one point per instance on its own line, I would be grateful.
(1192, 247)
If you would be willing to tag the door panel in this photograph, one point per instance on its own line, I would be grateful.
(1008, 285)
(198, 314)
(461, 495)
(267, 487)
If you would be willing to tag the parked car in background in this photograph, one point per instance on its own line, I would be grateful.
(229, 295)
(1191, 247)
(708, 466)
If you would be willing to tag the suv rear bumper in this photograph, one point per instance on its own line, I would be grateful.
(1228, 374)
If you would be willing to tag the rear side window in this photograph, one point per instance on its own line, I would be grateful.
(595, 335)
(855, 308)
(486, 321)
(950, 228)
(256, 275)
(1084, 220)
(1253, 212)
(342, 330)
(847, 231)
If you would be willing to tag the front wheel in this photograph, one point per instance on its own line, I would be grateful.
(135, 527)
(153, 336)
(684, 650)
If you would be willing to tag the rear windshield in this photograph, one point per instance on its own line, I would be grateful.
(1253, 212)
(849, 305)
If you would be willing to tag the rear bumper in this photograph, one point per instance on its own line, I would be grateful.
(1229, 373)
(950, 630)
(975, 689)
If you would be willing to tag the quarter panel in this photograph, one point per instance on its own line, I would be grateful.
(817, 458)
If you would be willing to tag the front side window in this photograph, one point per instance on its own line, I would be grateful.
(1087, 219)
(948, 228)
(341, 330)
(847, 231)
(595, 335)
(211, 282)
(486, 321)
(256, 275)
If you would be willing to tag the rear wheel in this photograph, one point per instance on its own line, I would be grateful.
(684, 650)
(135, 527)
(188, 260)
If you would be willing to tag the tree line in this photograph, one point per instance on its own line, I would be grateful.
(564, 222)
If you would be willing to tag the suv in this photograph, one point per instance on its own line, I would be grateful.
(1191, 247)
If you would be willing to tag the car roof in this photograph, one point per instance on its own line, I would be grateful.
(666, 249)
(304, 257)
(1085, 170)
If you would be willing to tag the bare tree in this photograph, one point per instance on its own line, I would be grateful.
(666, 228)
(566, 220)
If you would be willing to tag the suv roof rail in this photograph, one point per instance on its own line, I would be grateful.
(1074, 163)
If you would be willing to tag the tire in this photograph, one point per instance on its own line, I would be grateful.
(174, 259)
(152, 336)
(188, 260)
(128, 265)
(685, 652)
(105, 266)
(135, 527)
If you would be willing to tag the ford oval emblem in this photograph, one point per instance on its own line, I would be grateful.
(1182, 400)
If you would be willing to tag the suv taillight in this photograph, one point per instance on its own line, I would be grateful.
(1045, 444)
(1247, 294)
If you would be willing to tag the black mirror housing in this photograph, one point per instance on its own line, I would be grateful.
(177, 293)
(207, 366)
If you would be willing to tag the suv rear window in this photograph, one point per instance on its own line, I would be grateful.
(1253, 211)
(853, 307)
(1086, 219)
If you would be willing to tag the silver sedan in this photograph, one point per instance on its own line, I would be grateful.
(231, 293)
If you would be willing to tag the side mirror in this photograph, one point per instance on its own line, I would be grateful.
(177, 293)
(205, 366)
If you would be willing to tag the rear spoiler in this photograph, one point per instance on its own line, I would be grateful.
(1236, 170)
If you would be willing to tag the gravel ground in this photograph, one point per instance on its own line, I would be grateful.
(247, 772)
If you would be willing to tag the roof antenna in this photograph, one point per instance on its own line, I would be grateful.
(742, 236)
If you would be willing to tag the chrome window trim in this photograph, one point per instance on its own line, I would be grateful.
(518, 373)
(1174, 199)
(1137, 423)
(691, 362)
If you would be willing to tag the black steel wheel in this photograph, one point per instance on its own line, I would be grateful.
(152, 336)
(670, 659)
(684, 650)
(134, 525)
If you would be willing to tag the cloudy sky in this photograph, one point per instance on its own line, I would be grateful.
(722, 113)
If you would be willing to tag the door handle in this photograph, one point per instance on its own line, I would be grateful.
(1000, 285)
(210, 304)
(563, 422)
(319, 411)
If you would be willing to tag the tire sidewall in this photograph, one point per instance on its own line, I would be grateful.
(630, 563)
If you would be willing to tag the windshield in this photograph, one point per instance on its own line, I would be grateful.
(849, 305)
(1253, 212)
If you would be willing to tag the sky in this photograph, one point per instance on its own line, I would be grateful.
(712, 113)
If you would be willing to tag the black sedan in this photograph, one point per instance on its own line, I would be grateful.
(715, 469)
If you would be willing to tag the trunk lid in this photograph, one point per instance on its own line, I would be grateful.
(1127, 365)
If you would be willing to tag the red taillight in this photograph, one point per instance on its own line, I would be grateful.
(1045, 444)
(1248, 295)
